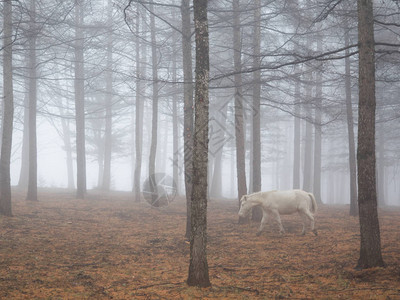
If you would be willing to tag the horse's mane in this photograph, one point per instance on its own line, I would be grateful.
(260, 193)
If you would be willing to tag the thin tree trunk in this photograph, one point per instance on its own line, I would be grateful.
(24, 174)
(32, 180)
(68, 151)
(350, 129)
(154, 123)
(216, 183)
(108, 106)
(370, 247)
(239, 126)
(139, 113)
(175, 127)
(198, 267)
(381, 165)
(256, 99)
(318, 131)
(308, 157)
(187, 107)
(80, 103)
(8, 112)
(296, 135)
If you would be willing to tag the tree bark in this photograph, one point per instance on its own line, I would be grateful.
(239, 128)
(32, 35)
(187, 107)
(8, 112)
(370, 247)
(79, 86)
(198, 267)
(350, 129)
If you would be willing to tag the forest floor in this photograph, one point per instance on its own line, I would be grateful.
(109, 247)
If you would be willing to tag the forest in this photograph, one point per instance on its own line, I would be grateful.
(131, 132)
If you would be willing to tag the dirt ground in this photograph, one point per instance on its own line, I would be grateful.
(109, 247)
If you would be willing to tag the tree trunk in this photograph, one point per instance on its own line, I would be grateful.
(175, 126)
(187, 107)
(350, 129)
(216, 183)
(68, 150)
(318, 130)
(198, 267)
(154, 122)
(296, 135)
(239, 126)
(307, 169)
(370, 247)
(138, 113)
(8, 112)
(79, 86)
(24, 174)
(256, 99)
(381, 165)
(108, 106)
(32, 35)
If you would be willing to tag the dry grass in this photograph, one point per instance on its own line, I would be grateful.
(108, 246)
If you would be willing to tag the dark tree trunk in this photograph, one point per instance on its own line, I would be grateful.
(239, 124)
(79, 86)
(187, 107)
(370, 248)
(350, 129)
(32, 35)
(8, 112)
(198, 267)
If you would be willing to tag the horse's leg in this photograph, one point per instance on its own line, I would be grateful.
(304, 219)
(311, 218)
(277, 218)
(262, 224)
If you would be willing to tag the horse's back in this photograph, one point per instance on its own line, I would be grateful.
(287, 202)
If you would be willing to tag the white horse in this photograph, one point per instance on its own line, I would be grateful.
(276, 203)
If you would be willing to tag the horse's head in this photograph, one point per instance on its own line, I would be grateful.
(244, 207)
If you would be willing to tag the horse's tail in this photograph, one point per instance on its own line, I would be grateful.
(313, 207)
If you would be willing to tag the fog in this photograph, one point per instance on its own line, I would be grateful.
(302, 82)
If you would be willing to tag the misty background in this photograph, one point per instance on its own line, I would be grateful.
(309, 71)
